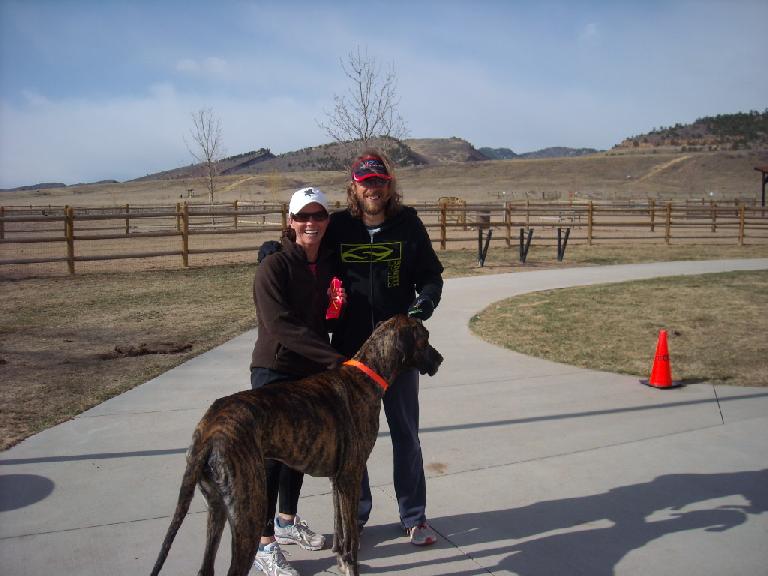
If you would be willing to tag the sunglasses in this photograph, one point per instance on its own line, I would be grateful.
(374, 182)
(319, 216)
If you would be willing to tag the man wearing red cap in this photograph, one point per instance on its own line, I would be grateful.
(388, 267)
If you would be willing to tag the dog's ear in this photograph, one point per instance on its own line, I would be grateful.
(405, 341)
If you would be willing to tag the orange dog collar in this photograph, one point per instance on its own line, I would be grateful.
(363, 368)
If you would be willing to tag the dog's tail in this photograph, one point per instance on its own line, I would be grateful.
(196, 456)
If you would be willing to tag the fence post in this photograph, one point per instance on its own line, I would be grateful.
(527, 214)
(235, 216)
(284, 216)
(525, 244)
(590, 219)
(185, 235)
(741, 226)
(714, 215)
(178, 217)
(69, 233)
(562, 242)
(127, 220)
(652, 212)
(2, 223)
(443, 231)
(668, 223)
(482, 251)
(508, 222)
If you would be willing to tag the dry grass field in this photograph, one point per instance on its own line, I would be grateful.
(611, 175)
(68, 343)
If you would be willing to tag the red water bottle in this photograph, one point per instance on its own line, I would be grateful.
(335, 304)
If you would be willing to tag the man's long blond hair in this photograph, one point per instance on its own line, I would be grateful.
(393, 205)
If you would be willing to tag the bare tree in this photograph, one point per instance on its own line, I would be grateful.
(207, 147)
(369, 109)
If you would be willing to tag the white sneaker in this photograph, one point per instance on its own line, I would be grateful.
(299, 533)
(272, 562)
(422, 535)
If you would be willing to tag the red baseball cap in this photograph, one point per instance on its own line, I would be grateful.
(369, 167)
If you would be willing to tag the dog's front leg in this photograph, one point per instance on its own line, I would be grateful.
(348, 495)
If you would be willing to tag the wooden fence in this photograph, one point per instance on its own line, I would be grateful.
(145, 226)
(606, 222)
(70, 235)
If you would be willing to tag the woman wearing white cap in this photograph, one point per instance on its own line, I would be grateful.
(291, 294)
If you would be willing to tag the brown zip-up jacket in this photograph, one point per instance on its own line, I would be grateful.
(290, 308)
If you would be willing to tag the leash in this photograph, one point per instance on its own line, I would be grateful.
(363, 368)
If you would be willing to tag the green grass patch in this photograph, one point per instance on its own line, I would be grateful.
(716, 325)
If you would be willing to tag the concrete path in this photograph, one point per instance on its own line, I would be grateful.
(534, 468)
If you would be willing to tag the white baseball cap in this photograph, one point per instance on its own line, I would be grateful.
(306, 196)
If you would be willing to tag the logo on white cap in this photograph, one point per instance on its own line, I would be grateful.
(306, 196)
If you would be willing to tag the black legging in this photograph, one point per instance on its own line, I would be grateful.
(281, 479)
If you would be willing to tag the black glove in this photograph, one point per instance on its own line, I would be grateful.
(269, 247)
(421, 308)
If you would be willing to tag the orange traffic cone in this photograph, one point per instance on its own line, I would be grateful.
(661, 373)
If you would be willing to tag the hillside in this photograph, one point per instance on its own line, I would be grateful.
(226, 166)
(741, 131)
(444, 150)
(558, 152)
(497, 153)
(553, 152)
(336, 156)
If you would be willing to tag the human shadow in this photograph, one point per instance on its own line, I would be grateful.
(20, 490)
(583, 535)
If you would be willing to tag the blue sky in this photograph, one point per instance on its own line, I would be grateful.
(93, 90)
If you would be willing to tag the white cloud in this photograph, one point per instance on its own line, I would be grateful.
(214, 65)
(590, 35)
(85, 140)
(188, 65)
(210, 66)
(32, 98)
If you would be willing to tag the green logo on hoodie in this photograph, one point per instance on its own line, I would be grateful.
(389, 252)
(365, 253)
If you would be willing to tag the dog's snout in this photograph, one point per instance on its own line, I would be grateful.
(433, 359)
(438, 359)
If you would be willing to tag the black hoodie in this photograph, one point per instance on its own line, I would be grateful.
(290, 307)
(382, 269)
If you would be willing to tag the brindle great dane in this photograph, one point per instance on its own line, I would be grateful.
(337, 413)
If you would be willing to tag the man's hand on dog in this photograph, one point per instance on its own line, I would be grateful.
(421, 308)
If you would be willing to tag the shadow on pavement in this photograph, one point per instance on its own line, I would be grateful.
(20, 490)
(586, 535)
